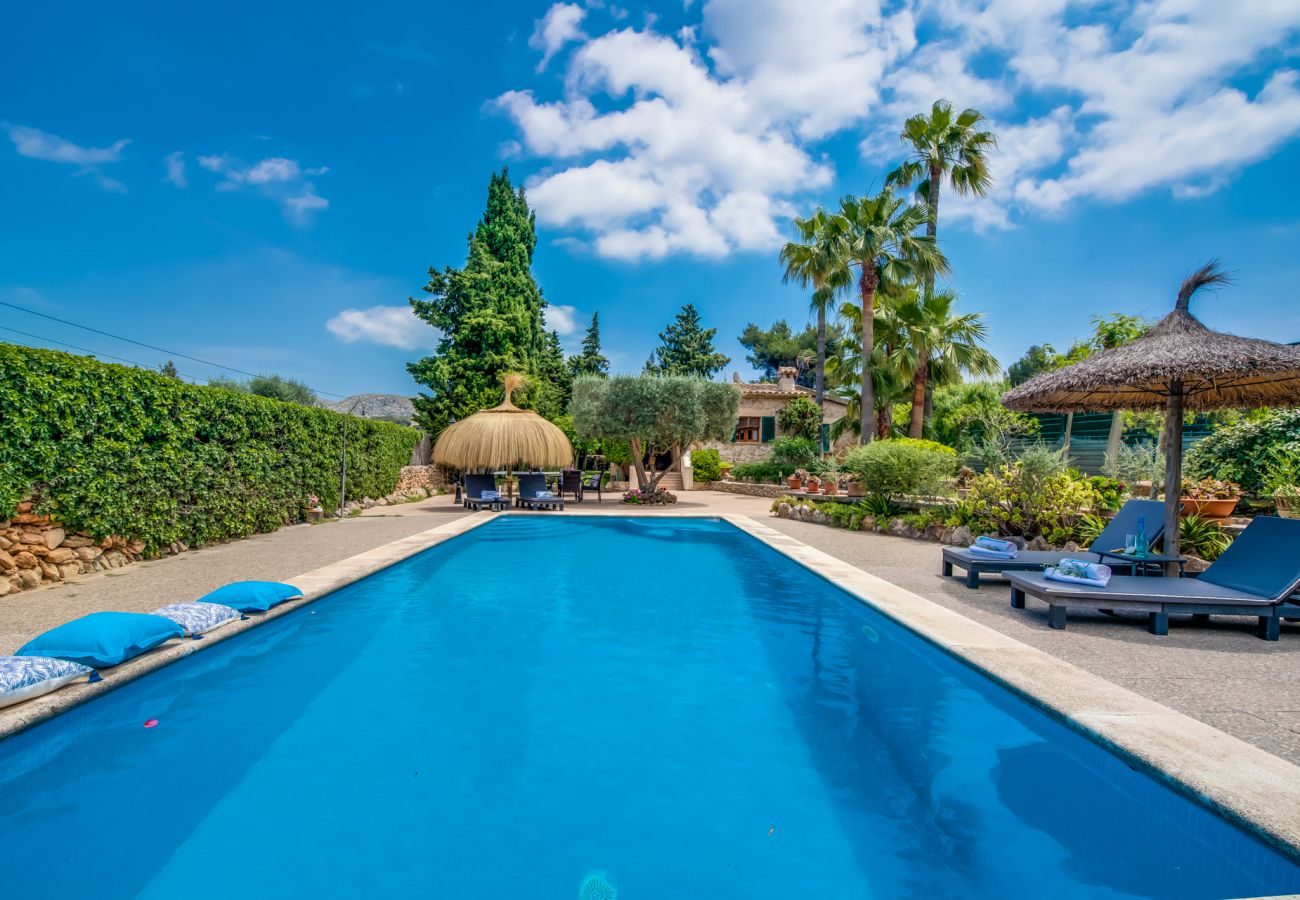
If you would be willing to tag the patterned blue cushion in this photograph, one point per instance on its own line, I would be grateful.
(252, 596)
(198, 618)
(25, 677)
(103, 638)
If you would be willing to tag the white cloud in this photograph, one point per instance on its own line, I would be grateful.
(175, 164)
(36, 144)
(560, 318)
(283, 180)
(561, 25)
(703, 143)
(391, 326)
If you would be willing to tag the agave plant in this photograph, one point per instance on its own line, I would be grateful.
(1202, 537)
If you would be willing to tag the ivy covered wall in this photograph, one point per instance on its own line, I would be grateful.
(113, 450)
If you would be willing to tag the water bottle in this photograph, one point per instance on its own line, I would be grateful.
(1143, 545)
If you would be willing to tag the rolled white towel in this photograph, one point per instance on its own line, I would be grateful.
(991, 543)
(1077, 571)
(985, 552)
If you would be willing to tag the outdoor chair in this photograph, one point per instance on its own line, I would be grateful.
(1256, 576)
(571, 483)
(475, 485)
(1111, 538)
(592, 484)
(530, 485)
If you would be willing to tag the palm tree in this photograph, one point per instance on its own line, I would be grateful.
(814, 261)
(889, 383)
(878, 235)
(945, 147)
(939, 345)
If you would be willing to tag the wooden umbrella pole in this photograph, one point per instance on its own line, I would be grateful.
(1173, 469)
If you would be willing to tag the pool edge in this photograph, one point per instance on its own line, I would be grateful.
(1254, 789)
(314, 584)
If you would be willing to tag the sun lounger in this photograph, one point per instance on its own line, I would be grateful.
(475, 485)
(1111, 538)
(530, 484)
(1256, 576)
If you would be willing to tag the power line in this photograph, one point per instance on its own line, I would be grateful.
(118, 337)
(96, 353)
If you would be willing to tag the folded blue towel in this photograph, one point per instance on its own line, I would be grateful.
(543, 495)
(489, 495)
(1076, 571)
(985, 552)
(990, 543)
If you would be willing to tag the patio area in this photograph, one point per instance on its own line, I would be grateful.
(1221, 675)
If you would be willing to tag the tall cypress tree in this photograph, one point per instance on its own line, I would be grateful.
(555, 384)
(591, 361)
(489, 313)
(687, 348)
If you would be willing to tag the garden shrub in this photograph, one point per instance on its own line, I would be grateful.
(796, 452)
(1234, 453)
(800, 418)
(894, 468)
(927, 445)
(114, 450)
(707, 465)
(766, 472)
(1028, 500)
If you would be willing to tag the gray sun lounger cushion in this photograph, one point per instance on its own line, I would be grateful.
(1255, 576)
(475, 485)
(1112, 537)
(529, 484)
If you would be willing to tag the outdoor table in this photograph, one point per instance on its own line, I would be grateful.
(1139, 563)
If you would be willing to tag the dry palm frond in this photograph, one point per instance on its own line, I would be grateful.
(503, 437)
(1216, 370)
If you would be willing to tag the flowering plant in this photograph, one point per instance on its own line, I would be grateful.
(658, 497)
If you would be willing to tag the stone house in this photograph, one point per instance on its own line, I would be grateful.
(757, 428)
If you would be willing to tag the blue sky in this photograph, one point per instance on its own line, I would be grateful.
(263, 185)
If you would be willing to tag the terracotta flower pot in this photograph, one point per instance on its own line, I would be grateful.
(812, 487)
(1288, 505)
(855, 490)
(831, 489)
(794, 483)
(1209, 509)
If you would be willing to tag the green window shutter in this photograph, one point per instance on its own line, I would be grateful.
(769, 429)
(826, 438)
(735, 433)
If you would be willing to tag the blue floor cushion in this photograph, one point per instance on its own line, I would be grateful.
(252, 596)
(103, 638)
(198, 618)
(25, 677)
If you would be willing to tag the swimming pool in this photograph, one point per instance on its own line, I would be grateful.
(664, 705)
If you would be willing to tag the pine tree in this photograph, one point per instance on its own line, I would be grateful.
(590, 361)
(554, 381)
(168, 370)
(687, 348)
(489, 313)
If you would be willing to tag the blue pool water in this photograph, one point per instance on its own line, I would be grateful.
(667, 707)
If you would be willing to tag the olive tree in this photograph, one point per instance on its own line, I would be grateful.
(654, 414)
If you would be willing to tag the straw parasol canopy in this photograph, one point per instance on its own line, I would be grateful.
(503, 437)
(1178, 365)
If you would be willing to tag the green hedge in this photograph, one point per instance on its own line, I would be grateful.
(114, 450)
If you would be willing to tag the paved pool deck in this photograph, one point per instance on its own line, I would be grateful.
(1220, 674)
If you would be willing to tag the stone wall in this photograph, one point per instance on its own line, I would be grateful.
(749, 489)
(35, 551)
(431, 478)
(765, 406)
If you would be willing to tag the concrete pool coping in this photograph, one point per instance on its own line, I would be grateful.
(1256, 790)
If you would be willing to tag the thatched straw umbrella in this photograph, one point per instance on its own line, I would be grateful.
(503, 437)
(1178, 365)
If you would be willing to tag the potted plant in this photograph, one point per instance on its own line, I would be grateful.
(831, 478)
(726, 470)
(1281, 477)
(1210, 498)
(795, 481)
(964, 479)
(813, 485)
(854, 489)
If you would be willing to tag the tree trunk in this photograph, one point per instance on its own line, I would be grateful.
(884, 422)
(932, 227)
(1116, 436)
(1069, 426)
(929, 397)
(916, 428)
(1173, 470)
(867, 284)
(821, 354)
(643, 481)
